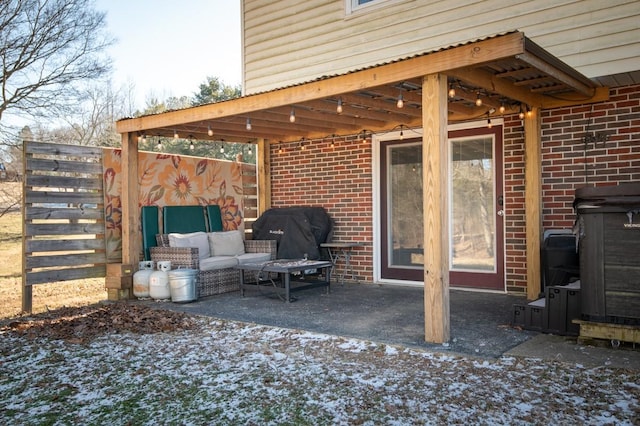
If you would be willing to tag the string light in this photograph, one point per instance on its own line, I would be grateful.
(339, 107)
(502, 108)
(488, 121)
(209, 131)
(159, 144)
(400, 102)
(529, 112)
(521, 113)
(401, 132)
(248, 124)
(292, 116)
(452, 92)
(250, 150)
(175, 135)
(478, 100)
(191, 146)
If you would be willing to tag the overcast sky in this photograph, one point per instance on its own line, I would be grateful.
(168, 47)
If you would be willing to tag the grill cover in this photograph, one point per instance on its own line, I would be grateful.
(298, 230)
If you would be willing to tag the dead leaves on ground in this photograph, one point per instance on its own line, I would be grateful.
(82, 324)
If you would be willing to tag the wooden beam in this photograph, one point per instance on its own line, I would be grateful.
(434, 163)
(264, 175)
(131, 242)
(492, 83)
(533, 200)
(480, 52)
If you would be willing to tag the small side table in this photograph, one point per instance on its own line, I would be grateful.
(342, 251)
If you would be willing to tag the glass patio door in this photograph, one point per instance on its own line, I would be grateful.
(476, 257)
(475, 211)
(402, 256)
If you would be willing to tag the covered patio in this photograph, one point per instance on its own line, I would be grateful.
(496, 76)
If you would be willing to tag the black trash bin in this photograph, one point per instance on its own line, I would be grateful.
(609, 241)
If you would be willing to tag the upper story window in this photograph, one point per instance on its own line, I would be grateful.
(357, 5)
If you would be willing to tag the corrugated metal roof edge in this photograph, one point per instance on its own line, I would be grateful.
(326, 77)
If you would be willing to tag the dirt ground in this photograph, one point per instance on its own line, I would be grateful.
(45, 296)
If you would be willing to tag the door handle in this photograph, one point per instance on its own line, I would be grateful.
(500, 212)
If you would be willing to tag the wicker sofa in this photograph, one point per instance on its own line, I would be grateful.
(214, 281)
(216, 272)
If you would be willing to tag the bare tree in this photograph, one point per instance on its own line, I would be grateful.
(48, 49)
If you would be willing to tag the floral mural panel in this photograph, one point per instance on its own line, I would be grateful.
(171, 180)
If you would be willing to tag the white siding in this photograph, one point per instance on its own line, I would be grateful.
(289, 41)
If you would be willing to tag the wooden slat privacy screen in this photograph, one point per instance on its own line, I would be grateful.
(63, 212)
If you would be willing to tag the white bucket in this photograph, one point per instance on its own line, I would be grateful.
(183, 285)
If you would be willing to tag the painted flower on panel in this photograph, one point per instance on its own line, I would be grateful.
(174, 180)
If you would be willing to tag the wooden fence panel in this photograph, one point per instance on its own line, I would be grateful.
(63, 215)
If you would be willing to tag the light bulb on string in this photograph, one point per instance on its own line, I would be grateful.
(400, 102)
(249, 127)
(478, 100)
(452, 92)
(292, 116)
(209, 131)
(339, 107)
(502, 109)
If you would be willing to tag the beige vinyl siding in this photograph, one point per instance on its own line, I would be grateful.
(288, 42)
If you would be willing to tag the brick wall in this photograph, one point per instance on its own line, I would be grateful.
(334, 174)
(339, 177)
(569, 161)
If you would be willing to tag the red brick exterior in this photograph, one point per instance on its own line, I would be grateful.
(339, 177)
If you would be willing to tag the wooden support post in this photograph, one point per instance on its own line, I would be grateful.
(264, 175)
(533, 200)
(131, 243)
(434, 163)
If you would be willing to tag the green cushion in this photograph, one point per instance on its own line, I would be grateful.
(150, 227)
(215, 218)
(183, 219)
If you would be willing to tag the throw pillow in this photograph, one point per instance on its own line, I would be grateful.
(228, 243)
(194, 239)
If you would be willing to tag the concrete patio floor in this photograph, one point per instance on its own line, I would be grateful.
(480, 323)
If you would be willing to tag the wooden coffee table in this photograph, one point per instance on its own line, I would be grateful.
(288, 280)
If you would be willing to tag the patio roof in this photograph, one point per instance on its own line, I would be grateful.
(506, 70)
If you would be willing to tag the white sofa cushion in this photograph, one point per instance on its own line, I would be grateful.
(218, 262)
(253, 257)
(194, 239)
(227, 243)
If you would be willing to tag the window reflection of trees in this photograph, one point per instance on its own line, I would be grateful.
(473, 216)
(406, 204)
